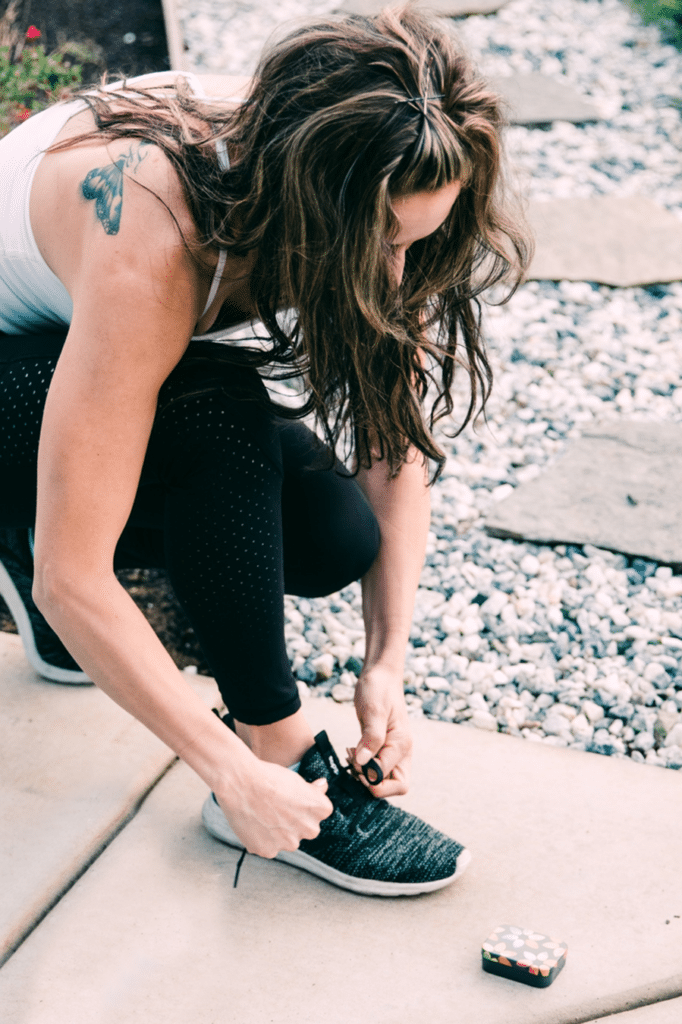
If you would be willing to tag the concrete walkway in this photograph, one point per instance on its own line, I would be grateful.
(584, 848)
(74, 768)
(668, 1012)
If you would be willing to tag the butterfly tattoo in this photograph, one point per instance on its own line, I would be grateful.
(104, 185)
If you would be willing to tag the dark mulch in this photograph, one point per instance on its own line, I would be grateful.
(152, 593)
(104, 26)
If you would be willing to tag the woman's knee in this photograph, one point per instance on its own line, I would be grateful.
(333, 541)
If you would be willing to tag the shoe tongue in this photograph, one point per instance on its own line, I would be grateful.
(320, 760)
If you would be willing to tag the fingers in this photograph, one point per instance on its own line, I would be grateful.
(281, 810)
(373, 739)
(385, 732)
(395, 783)
(390, 751)
(328, 805)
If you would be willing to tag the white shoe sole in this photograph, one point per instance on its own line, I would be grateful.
(23, 623)
(217, 824)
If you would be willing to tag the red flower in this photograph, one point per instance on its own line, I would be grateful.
(33, 33)
(24, 114)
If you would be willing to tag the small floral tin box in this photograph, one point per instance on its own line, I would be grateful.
(523, 955)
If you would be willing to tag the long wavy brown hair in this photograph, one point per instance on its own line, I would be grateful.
(334, 128)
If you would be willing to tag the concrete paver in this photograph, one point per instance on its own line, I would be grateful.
(618, 487)
(669, 1012)
(632, 241)
(446, 8)
(538, 99)
(586, 849)
(73, 767)
(176, 51)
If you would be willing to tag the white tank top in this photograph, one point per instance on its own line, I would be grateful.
(32, 298)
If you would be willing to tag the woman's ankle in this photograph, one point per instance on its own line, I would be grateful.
(284, 742)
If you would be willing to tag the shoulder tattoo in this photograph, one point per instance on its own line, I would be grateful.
(105, 186)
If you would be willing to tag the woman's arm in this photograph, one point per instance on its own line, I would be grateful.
(402, 507)
(137, 296)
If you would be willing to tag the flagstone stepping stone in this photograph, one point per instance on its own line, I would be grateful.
(669, 1012)
(445, 8)
(174, 39)
(73, 768)
(538, 99)
(619, 487)
(619, 241)
(155, 932)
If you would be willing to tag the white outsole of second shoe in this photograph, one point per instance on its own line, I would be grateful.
(216, 823)
(20, 616)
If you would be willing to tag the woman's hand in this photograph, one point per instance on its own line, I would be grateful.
(382, 713)
(276, 809)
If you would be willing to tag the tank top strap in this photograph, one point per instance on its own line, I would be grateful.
(224, 164)
(222, 256)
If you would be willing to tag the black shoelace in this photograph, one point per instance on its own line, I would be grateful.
(239, 867)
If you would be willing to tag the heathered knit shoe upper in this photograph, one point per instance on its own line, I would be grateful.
(43, 648)
(366, 845)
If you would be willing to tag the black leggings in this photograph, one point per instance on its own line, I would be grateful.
(238, 505)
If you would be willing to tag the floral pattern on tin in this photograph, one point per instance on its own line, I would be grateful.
(523, 948)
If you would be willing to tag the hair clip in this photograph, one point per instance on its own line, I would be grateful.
(416, 100)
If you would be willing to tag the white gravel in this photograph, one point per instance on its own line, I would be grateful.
(567, 646)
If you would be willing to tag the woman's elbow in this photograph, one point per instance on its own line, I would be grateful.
(53, 588)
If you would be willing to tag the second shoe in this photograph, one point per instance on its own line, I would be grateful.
(43, 648)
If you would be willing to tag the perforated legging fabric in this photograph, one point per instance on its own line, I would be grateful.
(239, 507)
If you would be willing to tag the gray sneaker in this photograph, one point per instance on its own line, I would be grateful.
(43, 648)
(367, 845)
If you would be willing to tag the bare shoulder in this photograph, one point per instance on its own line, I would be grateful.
(118, 201)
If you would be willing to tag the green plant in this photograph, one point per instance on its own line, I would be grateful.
(32, 80)
(667, 14)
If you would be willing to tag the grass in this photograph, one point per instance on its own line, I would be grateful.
(30, 78)
(667, 14)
